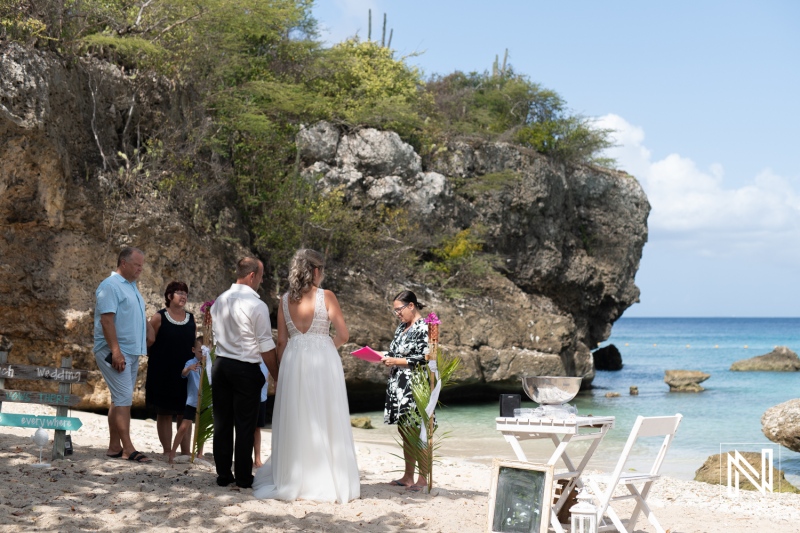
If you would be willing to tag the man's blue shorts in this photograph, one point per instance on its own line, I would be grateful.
(120, 384)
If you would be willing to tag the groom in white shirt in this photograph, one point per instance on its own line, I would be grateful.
(243, 335)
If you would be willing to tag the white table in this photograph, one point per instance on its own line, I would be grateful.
(562, 432)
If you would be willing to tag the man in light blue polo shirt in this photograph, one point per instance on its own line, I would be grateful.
(121, 335)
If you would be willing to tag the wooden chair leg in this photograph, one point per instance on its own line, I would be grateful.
(641, 505)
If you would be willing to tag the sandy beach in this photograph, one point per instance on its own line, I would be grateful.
(88, 491)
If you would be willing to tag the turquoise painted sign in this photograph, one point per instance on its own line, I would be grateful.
(63, 423)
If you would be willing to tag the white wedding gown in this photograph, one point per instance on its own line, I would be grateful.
(313, 455)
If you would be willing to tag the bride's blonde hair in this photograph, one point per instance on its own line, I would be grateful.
(301, 272)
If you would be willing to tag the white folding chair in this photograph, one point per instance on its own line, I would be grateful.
(656, 426)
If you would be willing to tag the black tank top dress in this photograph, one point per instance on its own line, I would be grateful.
(165, 389)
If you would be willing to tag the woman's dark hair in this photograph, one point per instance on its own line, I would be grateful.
(408, 297)
(172, 288)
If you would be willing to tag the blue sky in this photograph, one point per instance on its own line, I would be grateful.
(705, 101)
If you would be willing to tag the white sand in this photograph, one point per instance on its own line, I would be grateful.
(87, 491)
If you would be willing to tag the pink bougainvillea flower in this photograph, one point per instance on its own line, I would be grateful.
(206, 306)
(432, 319)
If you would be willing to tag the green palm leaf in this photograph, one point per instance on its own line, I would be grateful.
(423, 451)
(205, 423)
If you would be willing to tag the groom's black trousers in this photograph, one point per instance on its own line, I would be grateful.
(236, 391)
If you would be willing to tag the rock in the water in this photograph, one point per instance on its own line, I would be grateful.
(362, 422)
(607, 358)
(781, 359)
(612, 395)
(685, 380)
(781, 424)
(715, 472)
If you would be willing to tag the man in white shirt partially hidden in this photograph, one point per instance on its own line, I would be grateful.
(243, 336)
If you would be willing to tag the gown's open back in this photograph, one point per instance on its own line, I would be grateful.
(313, 455)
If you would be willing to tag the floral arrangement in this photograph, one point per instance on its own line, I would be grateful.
(433, 328)
(206, 315)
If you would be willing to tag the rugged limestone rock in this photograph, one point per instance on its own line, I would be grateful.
(570, 238)
(372, 167)
(58, 239)
(781, 359)
(685, 380)
(572, 235)
(607, 358)
(498, 338)
(318, 143)
(781, 424)
(715, 472)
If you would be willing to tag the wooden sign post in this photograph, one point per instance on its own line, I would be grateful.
(62, 411)
(5, 347)
(62, 400)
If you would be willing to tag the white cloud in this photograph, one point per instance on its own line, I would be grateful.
(695, 205)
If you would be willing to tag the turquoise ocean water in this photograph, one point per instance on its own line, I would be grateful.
(727, 414)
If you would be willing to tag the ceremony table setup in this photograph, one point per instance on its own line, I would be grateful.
(559, 422)
(535, 496)
(562, 432)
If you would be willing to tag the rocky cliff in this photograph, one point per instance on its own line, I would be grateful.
(570, 239)
(63, 221)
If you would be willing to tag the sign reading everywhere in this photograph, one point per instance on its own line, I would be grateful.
(46, 398)
(43, 373)
(38, 421)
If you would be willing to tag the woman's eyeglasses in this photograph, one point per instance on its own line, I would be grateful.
(180, 293)
(399, 310)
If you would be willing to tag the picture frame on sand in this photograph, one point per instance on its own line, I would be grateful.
(520, 497)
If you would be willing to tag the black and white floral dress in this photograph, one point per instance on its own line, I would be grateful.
(413, 346)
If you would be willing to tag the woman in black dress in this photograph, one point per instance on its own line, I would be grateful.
(165, 388)
(407, 351)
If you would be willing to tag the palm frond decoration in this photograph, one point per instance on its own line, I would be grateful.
(205, 414)
(420, 429)
(204, 419)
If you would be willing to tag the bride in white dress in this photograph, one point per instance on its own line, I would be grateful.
(313, 455)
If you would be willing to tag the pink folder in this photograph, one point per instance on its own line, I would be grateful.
(367, 354)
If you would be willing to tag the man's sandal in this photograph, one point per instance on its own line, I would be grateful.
(139, 457)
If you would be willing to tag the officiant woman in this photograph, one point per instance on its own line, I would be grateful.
(407, 351)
